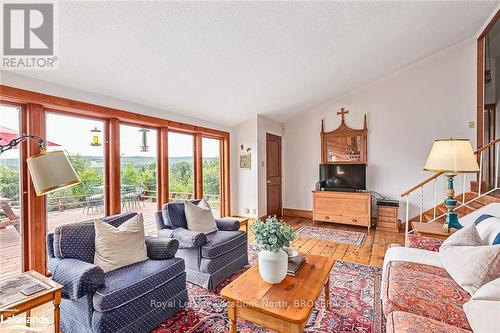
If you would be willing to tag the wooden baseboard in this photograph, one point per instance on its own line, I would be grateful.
(302, 213)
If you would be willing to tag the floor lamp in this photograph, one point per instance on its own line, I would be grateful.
(50, 171)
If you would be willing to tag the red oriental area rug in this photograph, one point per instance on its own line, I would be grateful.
(355, 296)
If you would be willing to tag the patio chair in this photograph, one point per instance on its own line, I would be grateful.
(138, 192)
(93, 200)
(132, 199)
(13, 218)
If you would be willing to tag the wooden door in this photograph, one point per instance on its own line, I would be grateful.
(273, 174)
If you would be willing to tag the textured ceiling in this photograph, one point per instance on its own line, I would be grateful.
(228, 61)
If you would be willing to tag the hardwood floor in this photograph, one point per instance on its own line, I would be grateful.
(370, 253)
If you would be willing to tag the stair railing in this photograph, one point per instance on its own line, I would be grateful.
(434, 180)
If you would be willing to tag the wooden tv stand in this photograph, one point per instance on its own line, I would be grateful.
(354, 208)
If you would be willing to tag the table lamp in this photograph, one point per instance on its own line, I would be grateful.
(50, 171)
(451, 156)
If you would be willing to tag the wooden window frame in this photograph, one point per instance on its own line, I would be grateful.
(221, 166)
(23, 188)
(196, 174)
(34, 107)
(161, 153)
(105, 141)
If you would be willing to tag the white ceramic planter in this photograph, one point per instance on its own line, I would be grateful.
(273, 266)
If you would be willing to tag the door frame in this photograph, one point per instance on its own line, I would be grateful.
(480, 81)
(279, 138)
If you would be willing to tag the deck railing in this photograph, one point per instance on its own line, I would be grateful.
(437, 184)
(63, 203)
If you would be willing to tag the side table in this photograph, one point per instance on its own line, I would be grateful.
(24, 304)
(431, 229)
(243, 221)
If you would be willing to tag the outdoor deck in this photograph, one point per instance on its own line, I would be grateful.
(10, 241)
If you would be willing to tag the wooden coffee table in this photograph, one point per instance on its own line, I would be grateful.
(283, 307)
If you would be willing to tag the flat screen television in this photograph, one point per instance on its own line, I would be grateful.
(343, 177)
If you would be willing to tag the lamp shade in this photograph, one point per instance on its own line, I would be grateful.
(51, 171)
(451, 155)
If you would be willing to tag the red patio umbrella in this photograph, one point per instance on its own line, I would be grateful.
(7, 134)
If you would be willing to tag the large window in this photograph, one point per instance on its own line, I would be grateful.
(138, 157)
(195, 160)
(211, 173)
(180, 166)
(82, 140)
(11, 258)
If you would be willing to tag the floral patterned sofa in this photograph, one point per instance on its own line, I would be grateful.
(422, 298)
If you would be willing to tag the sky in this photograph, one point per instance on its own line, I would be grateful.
(9, 117)
(74, 135)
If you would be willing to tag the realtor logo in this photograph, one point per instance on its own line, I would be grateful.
(29, 29)
(29, 36)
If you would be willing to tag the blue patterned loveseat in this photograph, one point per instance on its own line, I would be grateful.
(211, 258)
(135, 298)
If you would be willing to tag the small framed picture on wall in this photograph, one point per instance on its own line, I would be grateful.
(246, 160)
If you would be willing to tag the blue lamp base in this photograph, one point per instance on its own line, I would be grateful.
(452, 221)
(451, 203)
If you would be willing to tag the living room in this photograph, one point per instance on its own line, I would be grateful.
(249, 166)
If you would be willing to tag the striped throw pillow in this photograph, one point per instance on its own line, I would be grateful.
(488, 227)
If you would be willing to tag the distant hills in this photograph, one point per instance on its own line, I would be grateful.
(97, 162)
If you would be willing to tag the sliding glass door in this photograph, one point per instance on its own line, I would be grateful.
(11, 231)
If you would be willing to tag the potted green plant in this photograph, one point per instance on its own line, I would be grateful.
(272, 236)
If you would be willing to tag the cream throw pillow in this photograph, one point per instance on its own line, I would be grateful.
(199, 217)
(470, 263)
(119, 247)
(483, 309)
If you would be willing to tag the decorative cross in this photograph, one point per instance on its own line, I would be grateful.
(342, 113)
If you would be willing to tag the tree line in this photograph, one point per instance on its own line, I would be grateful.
(92, 181)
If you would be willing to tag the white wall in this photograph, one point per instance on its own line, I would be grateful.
(266, 125)
(407, 110)
(244, 182)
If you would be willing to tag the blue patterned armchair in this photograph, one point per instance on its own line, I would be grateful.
(135, 298)
(211, 258)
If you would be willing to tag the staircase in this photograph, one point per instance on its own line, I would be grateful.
(472, 203)
(472, 198)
